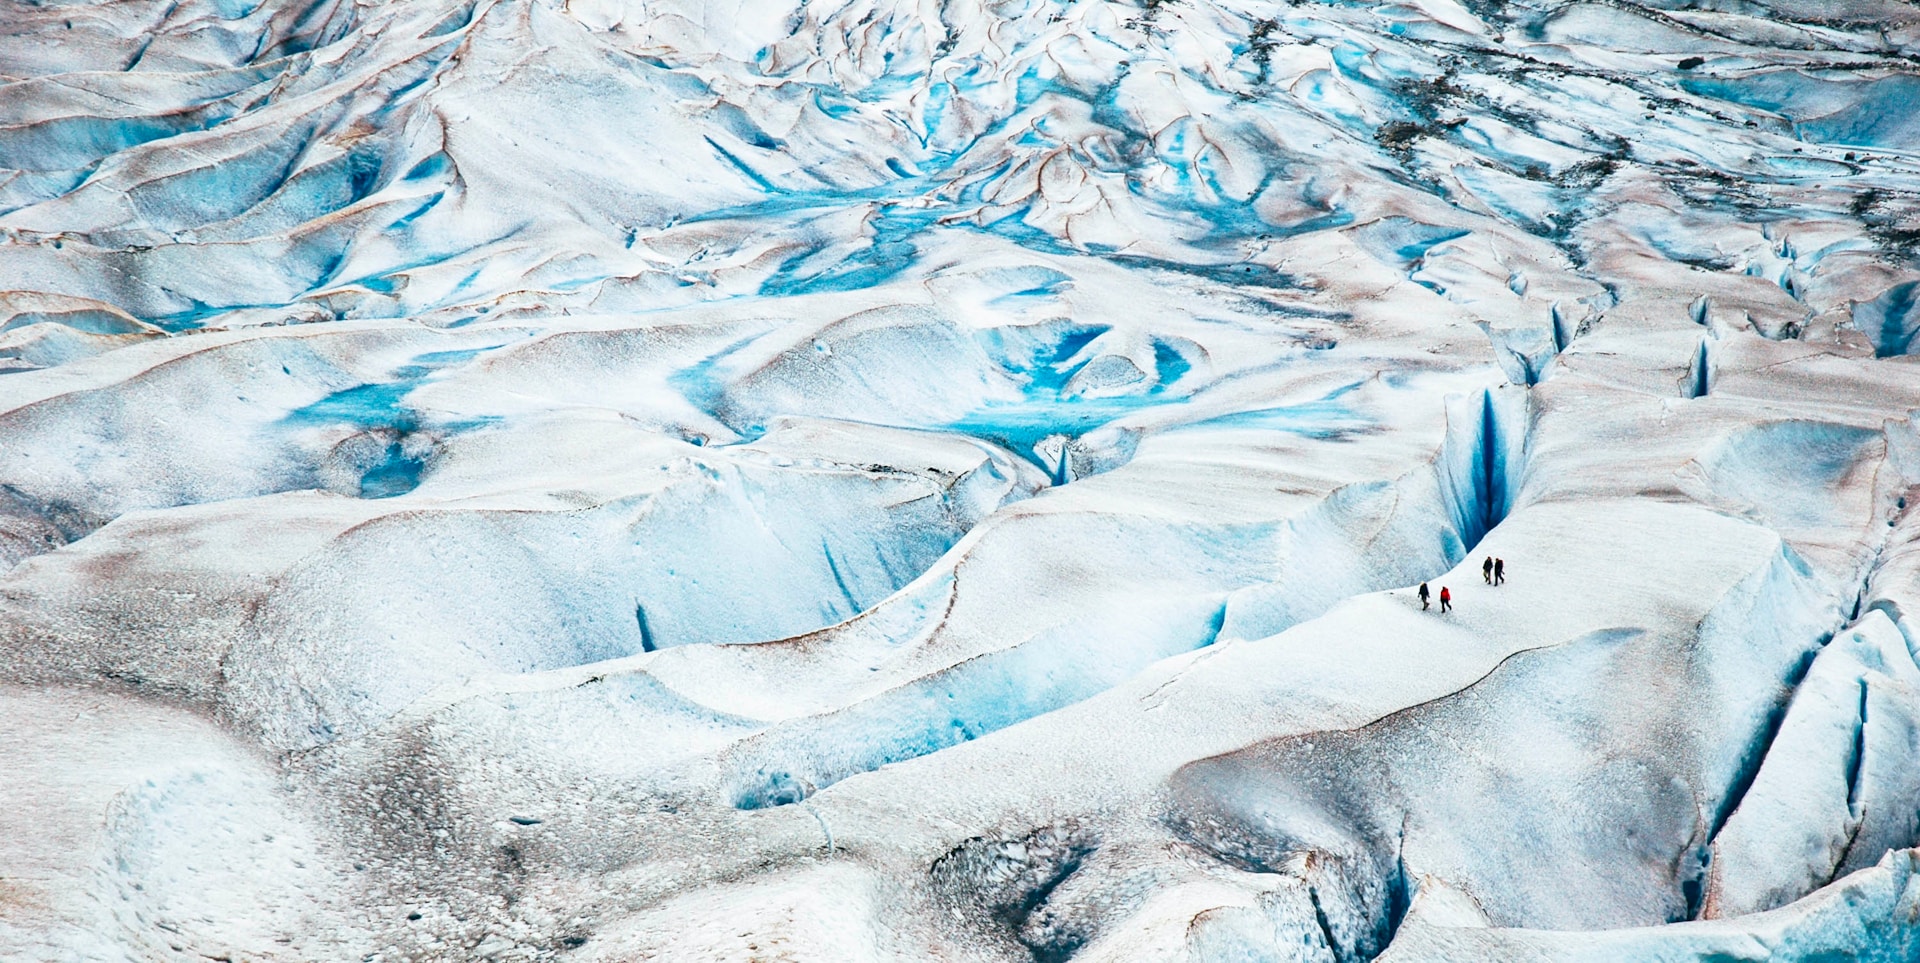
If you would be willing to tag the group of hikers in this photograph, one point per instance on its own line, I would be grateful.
(1494, 570)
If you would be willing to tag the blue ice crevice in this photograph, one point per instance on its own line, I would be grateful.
(1483, 462)
(1051, 669)
(1890, 320)
(1374, 535)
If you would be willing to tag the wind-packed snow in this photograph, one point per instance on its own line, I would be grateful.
(896, 480)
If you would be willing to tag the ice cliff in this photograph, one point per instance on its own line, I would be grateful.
(897, 480)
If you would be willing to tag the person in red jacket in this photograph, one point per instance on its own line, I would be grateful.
(1446, 599)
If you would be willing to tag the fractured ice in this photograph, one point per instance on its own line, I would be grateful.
(946, 479)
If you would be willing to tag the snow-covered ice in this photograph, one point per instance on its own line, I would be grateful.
(895, 480)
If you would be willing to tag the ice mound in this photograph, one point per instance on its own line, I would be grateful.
(884, 480)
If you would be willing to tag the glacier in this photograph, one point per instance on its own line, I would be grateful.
(896, 480)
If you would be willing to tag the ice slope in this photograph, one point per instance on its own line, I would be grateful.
(902, 480)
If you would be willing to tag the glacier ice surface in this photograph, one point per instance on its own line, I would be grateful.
(947, 479)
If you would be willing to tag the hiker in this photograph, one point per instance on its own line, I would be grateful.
(1486, 570)
(1446, 599)
(1423, 596)
(1499, 571)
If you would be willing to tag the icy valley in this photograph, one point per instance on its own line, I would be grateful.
(901, 480)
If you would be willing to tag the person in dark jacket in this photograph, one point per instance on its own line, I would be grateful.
(1446, 599)
(1499, 571)
(1423, 596)
(1486, 570)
